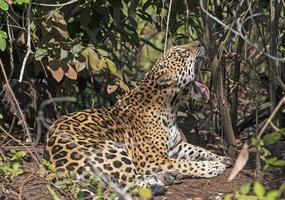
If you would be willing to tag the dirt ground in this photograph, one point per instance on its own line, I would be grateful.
(33, 187)
(203, 189)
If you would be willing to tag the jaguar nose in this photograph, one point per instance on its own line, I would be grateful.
(193, 46)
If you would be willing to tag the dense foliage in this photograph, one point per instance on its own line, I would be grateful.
(95, 50)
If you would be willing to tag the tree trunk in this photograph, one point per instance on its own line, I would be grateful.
(217, 78)
(274, 18)
(223, 104)
(236, 76)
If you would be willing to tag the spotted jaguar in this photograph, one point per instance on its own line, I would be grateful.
(137, 140)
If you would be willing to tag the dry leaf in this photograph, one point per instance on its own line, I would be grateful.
(240, 162)
(111, 66)
(21, 38)
(57, 73)
(102, 64)
(60, 24)
(71, 73)
(93, 59)
(111, 88)
(124, 86)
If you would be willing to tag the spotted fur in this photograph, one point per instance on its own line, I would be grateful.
(137, 138)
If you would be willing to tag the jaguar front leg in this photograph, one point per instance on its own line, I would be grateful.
(187, 151)
(187, 168)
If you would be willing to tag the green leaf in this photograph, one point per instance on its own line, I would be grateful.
(4, 5)
(49, 165)
(272, 195)
(163, 13)
(247, 197)
(64, 182)
(103, 52)
(144, 192)
(111, 66)
(271, 138)
(40, 53)
(2, 44)
(20, 2)
(258, 189)
(63, 54)
(14, 170)
(278, 163)
(102, 64)
(244, 189)
(99, 189)
(53, 193)
(76, 49)
(18, 155)
(227, 197)
(3, 34)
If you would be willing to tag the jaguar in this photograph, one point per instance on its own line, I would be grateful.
(137, 140)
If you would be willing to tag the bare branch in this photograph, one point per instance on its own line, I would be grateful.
(238, 33)
(10, 48)
(25, 126)
(167, 26)
(276, 109)
(28, 22)
(56, 5)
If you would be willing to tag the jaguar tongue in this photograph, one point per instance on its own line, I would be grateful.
(202, 89)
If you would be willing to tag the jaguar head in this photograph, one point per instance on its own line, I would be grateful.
(177, 66)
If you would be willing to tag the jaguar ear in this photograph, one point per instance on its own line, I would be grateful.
(165, 79)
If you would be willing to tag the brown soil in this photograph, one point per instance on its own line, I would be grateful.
(202, 189)
(33, 187)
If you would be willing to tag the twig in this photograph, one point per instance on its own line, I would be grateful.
(274, 126)
(23, 183)
(167, 26)
(15, 101)
(10, 48)
(56, 5)
(276, 109)
(261, 51)
(28, 18)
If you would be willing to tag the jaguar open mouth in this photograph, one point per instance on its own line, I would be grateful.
(201, 91)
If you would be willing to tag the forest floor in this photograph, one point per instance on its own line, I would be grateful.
(203, 189)
(32, 186)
